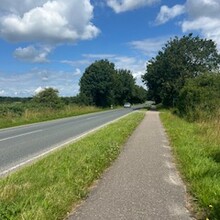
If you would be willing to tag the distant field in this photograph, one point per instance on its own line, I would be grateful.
(15, 114)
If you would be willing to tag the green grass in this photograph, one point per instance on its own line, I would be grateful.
(197, 150)
(22, 114)
(51, 187)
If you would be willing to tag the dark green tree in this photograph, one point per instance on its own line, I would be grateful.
(97, 84)
(139, 95)
(124, 87)
(48, 98)
(180, 59)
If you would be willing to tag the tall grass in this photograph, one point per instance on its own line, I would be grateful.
(196, 146)
(51, 187)
(24, 113)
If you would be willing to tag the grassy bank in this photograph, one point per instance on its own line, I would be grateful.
(197, 149)
(20, 114)
(49, 188)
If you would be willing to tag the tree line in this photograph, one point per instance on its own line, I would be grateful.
(101, 85)
(185, 75)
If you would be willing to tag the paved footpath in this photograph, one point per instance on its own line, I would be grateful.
(142, 184)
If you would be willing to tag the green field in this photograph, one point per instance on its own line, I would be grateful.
(14, 114)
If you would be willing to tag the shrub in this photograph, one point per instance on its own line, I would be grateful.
(200, 97)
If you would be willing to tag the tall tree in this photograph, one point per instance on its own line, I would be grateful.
(179, 60)
(139, 94)
(125, 85)
(97, 83)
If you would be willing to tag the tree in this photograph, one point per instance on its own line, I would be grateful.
(48, 98)
(139, 95)
(179, 60)
(200, 97)
(97, 83)
(124, 87)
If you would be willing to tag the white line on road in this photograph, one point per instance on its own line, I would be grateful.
(55, 147)
(20, 135)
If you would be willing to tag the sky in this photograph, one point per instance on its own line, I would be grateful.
(50, 43)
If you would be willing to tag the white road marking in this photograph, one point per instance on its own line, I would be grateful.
(71, 140)
(20, 135)
(91, 117)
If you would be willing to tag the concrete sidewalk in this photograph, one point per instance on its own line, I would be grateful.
(142, 184)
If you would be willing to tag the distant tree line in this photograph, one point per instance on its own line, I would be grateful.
(101, 85)
(185, 75)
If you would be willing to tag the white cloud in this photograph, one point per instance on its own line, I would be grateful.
(204, 16)
(77, 72)
(2, 92)
(38, 90)
(135, 65)
(57, 21)
(127, 5)
(150, 47)
(99, 56)
(167, 13)
(33, 54)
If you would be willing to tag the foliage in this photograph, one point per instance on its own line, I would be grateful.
(65, 176)
(25, 113)
(200, 97)
(48, 98)
(97, 83)
(139, 95)
(103, 85)
(124, 87)
(12, 110)
(179, 60)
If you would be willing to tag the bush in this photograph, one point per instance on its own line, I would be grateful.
(15, 110)
(200, 97)
(48, 98)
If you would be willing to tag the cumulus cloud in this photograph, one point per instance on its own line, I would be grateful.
(204, 16)
(167, 13)
(201, 15)
(127, 5)
(33, 54)
(57, 21)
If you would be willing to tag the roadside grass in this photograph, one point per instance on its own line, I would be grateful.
(20, 114)
(196, 147)
(51, 187)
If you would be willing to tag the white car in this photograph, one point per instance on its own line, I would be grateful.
(127, 105)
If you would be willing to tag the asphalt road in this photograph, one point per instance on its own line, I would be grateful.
(143, 183)
(20, 145)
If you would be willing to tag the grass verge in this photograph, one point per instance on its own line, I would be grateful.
(197, 150)
(49, 188)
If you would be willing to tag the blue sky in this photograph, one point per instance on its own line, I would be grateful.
(50, 43)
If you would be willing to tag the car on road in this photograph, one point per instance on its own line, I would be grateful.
(127, 105)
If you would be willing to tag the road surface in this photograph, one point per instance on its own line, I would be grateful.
(20, 145)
